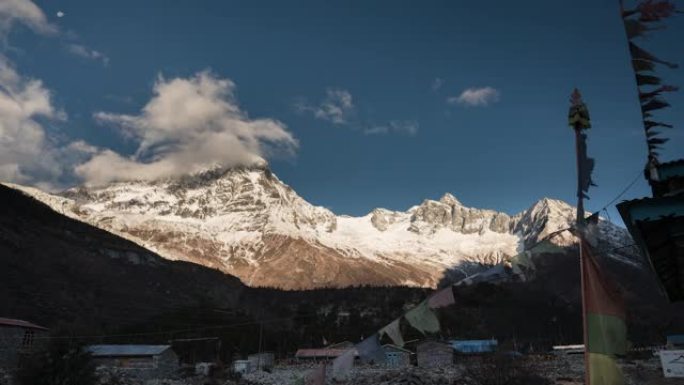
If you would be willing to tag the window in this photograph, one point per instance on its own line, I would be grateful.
(27, 342)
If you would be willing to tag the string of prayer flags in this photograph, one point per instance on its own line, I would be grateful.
(639, 22)
(423, 319)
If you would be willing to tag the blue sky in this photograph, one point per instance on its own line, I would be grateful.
(369, 90)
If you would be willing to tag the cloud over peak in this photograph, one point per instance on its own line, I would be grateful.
(476, 97)
(188, 124)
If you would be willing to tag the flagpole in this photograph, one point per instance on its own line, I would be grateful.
(578, 125)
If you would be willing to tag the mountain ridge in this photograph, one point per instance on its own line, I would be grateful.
(248, 223)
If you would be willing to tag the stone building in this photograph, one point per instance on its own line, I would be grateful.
(141, 361)
(431, 354)
(17, 338)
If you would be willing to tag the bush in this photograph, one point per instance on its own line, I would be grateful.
(504, 370)
(62, 362)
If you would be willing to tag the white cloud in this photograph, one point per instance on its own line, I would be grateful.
(405, 127)
(85, 52)
(337, 106)
(60, 14)
(27, 154)
(476, 97)
(437, 84)
(25, 12)
(189, 124)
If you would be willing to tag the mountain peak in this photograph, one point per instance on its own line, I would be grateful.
(548, 205)
(450, 200)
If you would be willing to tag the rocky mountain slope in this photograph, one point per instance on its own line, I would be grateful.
(248, 223)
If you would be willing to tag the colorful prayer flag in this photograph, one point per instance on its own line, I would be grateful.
(423, 318)
(393, 332)
(442, 298)
(342, 364)
(370, 350)
(605, 327)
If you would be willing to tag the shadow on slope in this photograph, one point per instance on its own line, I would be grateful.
(55, 270)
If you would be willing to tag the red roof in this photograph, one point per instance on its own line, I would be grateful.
(19, 323)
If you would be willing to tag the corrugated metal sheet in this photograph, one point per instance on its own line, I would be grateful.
(321, 353)
(474, 346)
(19, 323)
(126, 350)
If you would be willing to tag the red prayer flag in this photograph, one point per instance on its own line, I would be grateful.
(442, 298)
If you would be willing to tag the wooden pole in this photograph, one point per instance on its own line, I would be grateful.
(578, 127)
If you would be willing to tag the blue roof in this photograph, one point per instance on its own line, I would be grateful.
(676, 339)
(126, 350)
(474, 346)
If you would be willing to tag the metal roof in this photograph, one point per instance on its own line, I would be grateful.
(316, 353)
(676, 339)
(127, 350)
(19, 323)
(395, 347)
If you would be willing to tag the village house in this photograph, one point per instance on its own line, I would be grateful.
(261, 361)
(431, 354)
(141, 361)
(17, 338)
(396, 357)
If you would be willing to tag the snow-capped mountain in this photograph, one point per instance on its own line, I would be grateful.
(248, 223)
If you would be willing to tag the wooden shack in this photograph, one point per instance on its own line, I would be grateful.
(141, 361)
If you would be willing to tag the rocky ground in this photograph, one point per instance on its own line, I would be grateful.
(556, 370)
(541, 370)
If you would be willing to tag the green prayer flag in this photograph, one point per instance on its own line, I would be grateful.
(606, 334)
(423, 318)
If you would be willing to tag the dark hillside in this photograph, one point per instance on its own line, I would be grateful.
(55, 270)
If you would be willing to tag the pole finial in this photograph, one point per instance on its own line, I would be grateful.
(578, 116)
